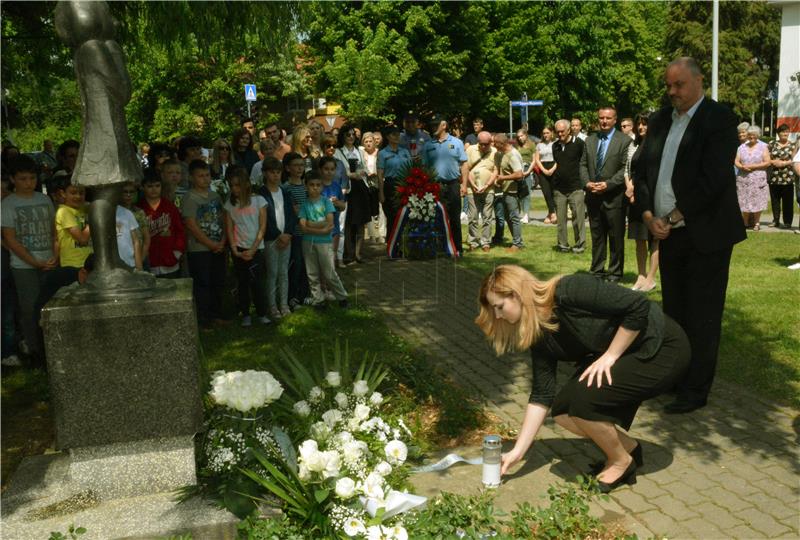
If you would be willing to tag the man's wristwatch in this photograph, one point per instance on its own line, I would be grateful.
(671, 221)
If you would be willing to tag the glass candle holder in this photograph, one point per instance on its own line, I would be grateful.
(492, 449)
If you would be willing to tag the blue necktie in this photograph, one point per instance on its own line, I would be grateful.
(601, 153)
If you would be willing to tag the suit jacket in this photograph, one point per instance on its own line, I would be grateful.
(612, 171)
(703, 178)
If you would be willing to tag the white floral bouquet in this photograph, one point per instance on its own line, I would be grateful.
(349, 462)
(422, 207)
(238, 422)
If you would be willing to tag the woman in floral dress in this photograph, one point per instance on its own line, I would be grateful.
(752, 162)
(782, 178)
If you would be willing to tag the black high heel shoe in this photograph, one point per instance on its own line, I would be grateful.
(628, 477)
(636, 454)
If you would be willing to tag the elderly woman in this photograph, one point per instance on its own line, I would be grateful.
(376, 229)
(752, 162)
(741, 130)
(625, 349)
(781, 180)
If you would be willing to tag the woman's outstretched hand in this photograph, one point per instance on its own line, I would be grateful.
(509, 459)
(595, 372)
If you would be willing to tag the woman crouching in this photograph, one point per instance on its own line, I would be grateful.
(625, 348)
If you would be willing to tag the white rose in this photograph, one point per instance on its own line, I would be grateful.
(373, 486)
(361, 412)
(345, 488)
(307, 448)
(316, 394)
(302, 408)
(354, 424)
(331, 417)
(376, 398)
(396, 452)
(332, 463)
(320, 431)
(333, 378)
(383, 468)
(316, 462)
(354, 526)
(360, 388)
(353, 450)
(343, 437)
(341, 400)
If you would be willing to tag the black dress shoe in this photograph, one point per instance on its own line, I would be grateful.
(683, 406)
(628, 477)
(636, 454)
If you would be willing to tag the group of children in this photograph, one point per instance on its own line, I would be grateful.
(280, 239)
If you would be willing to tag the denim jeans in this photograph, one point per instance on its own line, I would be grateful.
(512, 205)
(499, 217)
(277, 274)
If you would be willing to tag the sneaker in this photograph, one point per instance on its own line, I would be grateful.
(11, 361)
(264, 320)
(329, 296)
(578, 250)
(275, 313)
(524, 219)
(285, 311)
(246, 321)
(795, 266)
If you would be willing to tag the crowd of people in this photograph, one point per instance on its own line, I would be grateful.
(253, 200)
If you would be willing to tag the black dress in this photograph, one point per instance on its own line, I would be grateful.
(589, 312)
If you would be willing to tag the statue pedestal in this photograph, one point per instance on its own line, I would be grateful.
(125, 392)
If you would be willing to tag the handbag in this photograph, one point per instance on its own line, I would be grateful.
(522, 188)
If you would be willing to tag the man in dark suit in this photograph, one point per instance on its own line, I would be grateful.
(685, 189)
(603, 178)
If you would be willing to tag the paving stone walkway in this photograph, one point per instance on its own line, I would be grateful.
(730, 470)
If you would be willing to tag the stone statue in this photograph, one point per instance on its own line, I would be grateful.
(107, 157)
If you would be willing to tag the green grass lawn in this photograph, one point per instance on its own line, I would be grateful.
(760, 347)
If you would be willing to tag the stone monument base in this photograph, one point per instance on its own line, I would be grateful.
(135, 468)
(42, 497)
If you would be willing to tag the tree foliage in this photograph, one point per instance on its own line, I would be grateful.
(189, 60)
(188, 63)
(749, 46)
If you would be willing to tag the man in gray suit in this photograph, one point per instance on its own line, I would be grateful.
(602, 174)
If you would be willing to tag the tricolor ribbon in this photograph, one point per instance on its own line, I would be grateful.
(441, 221)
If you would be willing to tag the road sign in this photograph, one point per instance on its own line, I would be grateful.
(531, 103)
(250, 92)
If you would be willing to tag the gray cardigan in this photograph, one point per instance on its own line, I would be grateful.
(590, 311)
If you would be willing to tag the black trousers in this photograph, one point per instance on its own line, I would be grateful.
(298, 279)
(607, 227)
(451, 199)
(781, 197)
(390, 203)
(693, 288)
(207, 270)
(251, 282)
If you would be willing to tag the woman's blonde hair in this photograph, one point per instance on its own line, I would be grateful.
(298, 142)
(537, 299)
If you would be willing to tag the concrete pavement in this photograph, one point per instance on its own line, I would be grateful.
(730, 470)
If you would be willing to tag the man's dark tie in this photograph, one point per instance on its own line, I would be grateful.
(601, 153)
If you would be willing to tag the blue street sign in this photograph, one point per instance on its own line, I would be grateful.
(531, 103)
(250, 92)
